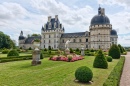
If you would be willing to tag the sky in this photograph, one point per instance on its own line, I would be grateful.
(75, 15)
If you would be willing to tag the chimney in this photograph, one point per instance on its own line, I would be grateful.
(56, 17)
(49, 18)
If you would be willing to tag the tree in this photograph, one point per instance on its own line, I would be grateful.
(114, 52)
(121, 48)
(100, 60)
(5, 41)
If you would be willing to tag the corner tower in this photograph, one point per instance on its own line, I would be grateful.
(21, 40)
(51, 33)
(100, 29)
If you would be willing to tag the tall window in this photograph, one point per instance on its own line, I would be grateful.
(49, 36)
(63, 40)
(80, 40)
(44, 41)
(86, 40)
(74, 40)
(49, 41)
(44, 46)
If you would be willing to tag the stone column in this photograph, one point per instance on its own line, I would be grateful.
(36, 57)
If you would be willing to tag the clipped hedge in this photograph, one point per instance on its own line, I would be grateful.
(114, 52)
(15, 58)
(109, 58)
(83, 74)
(13, 53)
(100, 61)
(5, 51)
(114, 77)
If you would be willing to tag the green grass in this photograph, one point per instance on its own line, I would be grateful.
(50, 73)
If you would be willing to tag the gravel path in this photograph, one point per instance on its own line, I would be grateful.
(125, 77)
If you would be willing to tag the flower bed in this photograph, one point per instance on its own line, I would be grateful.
(68, 58)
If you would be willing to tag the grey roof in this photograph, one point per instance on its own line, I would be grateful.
(69, 35)
(30, 40)
(21, 37)
(113, 32)
(52, 23)
(100, 19)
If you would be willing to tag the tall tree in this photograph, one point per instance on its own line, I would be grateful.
(5, 41)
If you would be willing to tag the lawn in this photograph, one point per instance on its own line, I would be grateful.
(50, 73)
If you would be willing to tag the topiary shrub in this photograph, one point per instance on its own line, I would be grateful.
(114, 52)
(29, 48)
(13, 53)
(69, 58)
(109, 58)
(71, 50)
(77, 50)
(83, 74)
(100, 60)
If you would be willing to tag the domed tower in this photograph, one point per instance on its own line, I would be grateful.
(114, 37)
(21, 40)
(100, 29)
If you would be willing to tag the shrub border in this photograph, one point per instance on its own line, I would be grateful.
(115, 75)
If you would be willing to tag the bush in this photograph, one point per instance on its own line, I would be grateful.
(29, 48)
(70, 57)
(45, 49)
(114, 52)
(109, 58)
(71, 50)
(13, 53)
(41, 56)
(5, 51)
(77, 50)
(100, 60)
(114, 77)
(83, 74)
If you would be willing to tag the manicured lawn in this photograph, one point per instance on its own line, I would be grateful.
(50, 73)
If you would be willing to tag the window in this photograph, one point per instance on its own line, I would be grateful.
(44, 41)
(74, 40)
(49, 36)
(63, 40)
(86, 46)
(80, 40)
(44, 46)
(44, 36)
(86, 40)
(49, 41)
(54, 46)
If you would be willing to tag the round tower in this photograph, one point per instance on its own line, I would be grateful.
(21, 40)
(100, 29)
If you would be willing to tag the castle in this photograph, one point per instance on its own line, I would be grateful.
(100, 35)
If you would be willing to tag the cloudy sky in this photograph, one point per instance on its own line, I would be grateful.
(75, 15)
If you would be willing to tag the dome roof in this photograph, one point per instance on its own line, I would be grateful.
(101, 18)
(113, 32)
(21, 37)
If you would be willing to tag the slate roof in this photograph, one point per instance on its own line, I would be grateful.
(52, 24)
(100, 19)
(113, 32)
(69, 35)
(29, 40)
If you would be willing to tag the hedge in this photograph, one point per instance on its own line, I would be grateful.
(15, 58)
(114, 77)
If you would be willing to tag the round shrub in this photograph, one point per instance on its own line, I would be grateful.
(5, 51)
(100, 60)
(71, 50)
(114, 52)
(13, 53)
(83, 74)
(109, 58)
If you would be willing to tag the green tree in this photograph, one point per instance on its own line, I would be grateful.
(100, 60)
(121, 49)
(5, 41)
(114, 52)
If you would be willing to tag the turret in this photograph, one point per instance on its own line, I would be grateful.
(49, 18)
